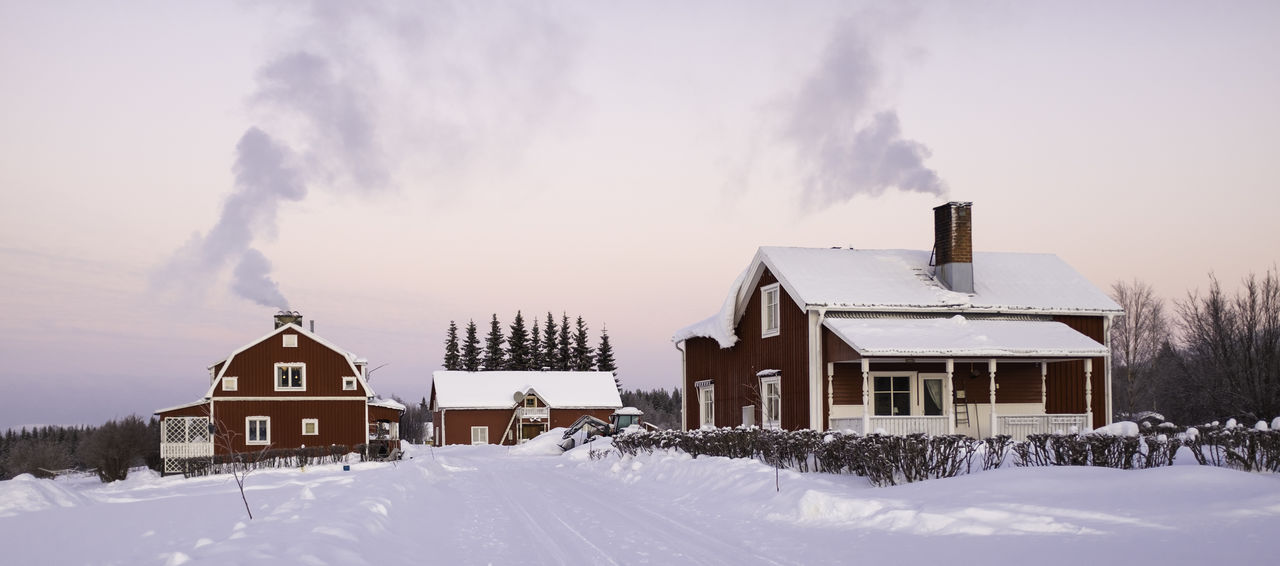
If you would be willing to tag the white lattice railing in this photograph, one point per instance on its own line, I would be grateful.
(1019, 426)
(931, 425)
(184, 437)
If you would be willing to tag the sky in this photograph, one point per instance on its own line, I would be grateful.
(172, 174)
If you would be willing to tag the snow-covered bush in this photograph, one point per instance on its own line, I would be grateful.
(1237, 447)
(1099, 448)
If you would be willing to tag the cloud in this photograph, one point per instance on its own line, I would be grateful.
(845, 143)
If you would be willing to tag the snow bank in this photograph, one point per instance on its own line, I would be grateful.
(1121, 428)
(25, 493)
(545, 444)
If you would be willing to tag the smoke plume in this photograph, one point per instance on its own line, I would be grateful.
(352, 82)
(847, 145)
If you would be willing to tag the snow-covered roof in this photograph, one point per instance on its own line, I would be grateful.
(959, 336)
(387, 404)
(902, 280)
(503, 389)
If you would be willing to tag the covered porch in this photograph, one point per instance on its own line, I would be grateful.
(955, 375)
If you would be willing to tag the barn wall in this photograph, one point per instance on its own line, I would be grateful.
(1066, 379)
(734, 369)
(457, 424)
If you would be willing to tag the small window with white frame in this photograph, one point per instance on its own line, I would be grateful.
(291, 377)
(230, 383)
(257, 430)
(310, 427)
(771, 401)
(479, 435)
(349, 383)
(706, 403)
(769, 310)
(290, 340)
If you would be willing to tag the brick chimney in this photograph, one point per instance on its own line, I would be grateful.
(953, 245)
(288, 317)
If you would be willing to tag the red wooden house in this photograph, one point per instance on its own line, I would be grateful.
(288, 389)
(510, 407)
(938, 341)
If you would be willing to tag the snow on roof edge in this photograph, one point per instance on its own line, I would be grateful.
(720, 325)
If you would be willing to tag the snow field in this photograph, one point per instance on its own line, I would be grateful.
(530, 505)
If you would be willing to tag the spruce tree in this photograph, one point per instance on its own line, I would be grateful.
(471, 348)
(580, 355)
(535, 347)
(518, 345)
(563, 355)
(494, 359)
(549, 351)
(452, 360)
(604, 357)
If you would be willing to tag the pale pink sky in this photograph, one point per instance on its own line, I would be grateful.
(621, 162)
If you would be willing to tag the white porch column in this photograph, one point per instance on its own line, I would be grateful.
(991, 367)
(950, 402)
(1088, 393)
(866, 396)
(831, 392)
(1044, 391)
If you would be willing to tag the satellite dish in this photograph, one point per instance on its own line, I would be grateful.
(518, 396)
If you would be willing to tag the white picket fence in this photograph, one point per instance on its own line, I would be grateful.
(1019, 426)
(931, 425)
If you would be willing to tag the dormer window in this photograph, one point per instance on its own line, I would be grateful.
(290, 340)
(230, 383)
(291, 377)
(769, 310)
(531, 401)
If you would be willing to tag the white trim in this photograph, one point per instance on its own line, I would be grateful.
(275, 375)
(484, 437)
(705, 419)
(260, 442)
(290, 340)
(293, 398)
(230, 383)
(765, 310)
(911, 376)
(348, 356)
(774, 382)
(185, 406)
(316, 430)
(353, 380)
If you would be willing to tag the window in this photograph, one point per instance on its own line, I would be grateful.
(310, 427)
(706, 403)
(230, 383)
(290, 340)
(771, 400)
(769, 311)
(479, 435)
(892, 394)
(257, 430)
(531, 401)
(291, 377)
(349, 384)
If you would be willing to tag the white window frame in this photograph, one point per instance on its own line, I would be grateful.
(482, 437)
(771, 402)
(912, 388)
(349, 383)
(248, 436)
(290, 340)
(315, 431)
(275, 376)
(230, 383)
(707, 406)
(770, 310)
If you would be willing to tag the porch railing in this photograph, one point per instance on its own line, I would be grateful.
(533, 412)
(184, 437)
(1019, 426)
(931, 425)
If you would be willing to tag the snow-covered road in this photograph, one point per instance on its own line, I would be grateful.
(493, 505)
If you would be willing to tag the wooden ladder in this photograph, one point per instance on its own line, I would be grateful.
(962, 408)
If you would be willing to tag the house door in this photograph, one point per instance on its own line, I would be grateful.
(927, 396)
(528, 431)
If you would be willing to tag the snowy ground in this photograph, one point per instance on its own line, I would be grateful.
(481, 505)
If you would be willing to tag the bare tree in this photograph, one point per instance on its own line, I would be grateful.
(1136, 338)
(241, 463)
(1231, 353)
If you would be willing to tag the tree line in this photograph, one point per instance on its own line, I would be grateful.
(543, 346)
(661, 409)
(109, 450)
(1210, 357)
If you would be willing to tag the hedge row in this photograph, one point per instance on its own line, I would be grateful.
(1247, 449)
(265, 459)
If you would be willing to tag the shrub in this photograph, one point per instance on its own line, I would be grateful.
(115, 446)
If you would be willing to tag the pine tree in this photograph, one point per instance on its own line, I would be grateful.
(471, 349)
(604, 357)
(518, 345)
(535, 347)
(494, 359)
(452, 361)
(550, 359)
(564, 357)
(580, 356)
